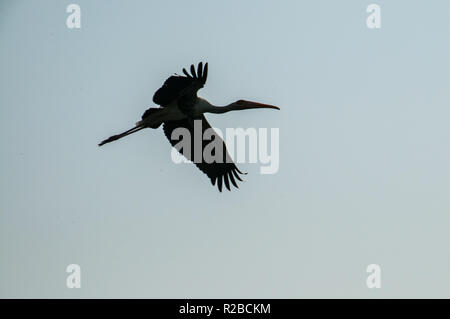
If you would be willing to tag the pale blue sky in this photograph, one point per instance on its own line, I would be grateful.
(364, 150)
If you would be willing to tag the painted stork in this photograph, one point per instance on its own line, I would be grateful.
(179, 107)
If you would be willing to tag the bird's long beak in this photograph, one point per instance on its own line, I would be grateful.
(242, 104)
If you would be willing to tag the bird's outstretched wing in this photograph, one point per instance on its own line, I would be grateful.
(224, 172)
(182, 87)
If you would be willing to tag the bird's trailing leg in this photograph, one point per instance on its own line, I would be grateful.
(116, 137)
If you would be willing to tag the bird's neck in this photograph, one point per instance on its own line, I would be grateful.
(210, 108)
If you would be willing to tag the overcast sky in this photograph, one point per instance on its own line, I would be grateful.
(364, 171)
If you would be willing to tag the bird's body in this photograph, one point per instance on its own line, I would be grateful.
(179, 108)
(172, 112)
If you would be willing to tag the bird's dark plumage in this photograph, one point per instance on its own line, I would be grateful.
(225, 172)
(150, 111)
(182, 87)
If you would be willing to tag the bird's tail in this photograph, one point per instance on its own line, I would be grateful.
(116, 137)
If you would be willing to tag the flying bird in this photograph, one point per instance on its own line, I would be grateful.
(179, 108)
